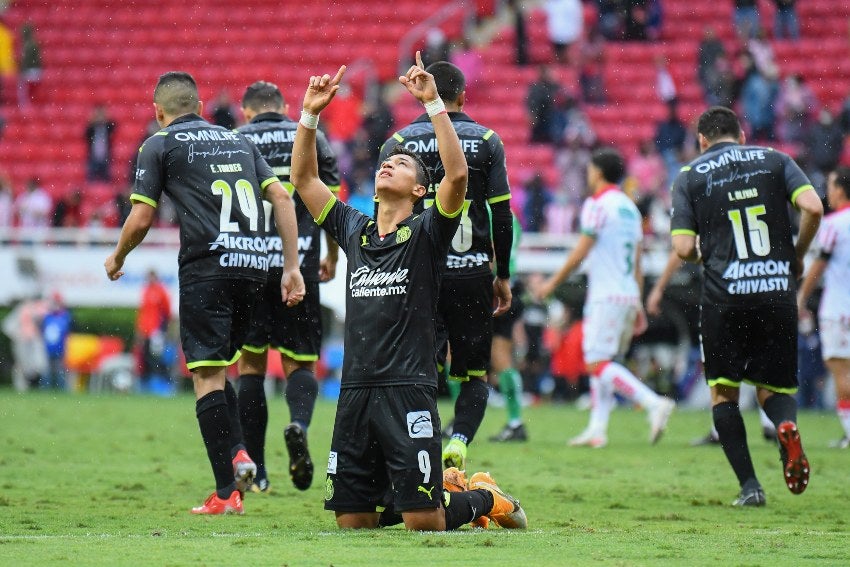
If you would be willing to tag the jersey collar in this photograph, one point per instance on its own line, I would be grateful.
(606, 189)
(191, 117)
(271, 117)
(453, 116)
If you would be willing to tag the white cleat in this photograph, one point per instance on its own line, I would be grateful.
(589, 438)
(658, 417)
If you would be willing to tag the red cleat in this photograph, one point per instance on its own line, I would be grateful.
(244, 471)
(794, 461)
(216, 506)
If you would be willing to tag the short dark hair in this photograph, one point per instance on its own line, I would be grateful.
(718, 122)
(261, 96)
(610, 163)
(449, 78)
(842, 179)
(423, 176)
(177, 93)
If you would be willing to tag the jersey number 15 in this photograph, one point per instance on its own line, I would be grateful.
(759, 237)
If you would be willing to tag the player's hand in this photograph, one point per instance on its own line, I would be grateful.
(292, 287)
(327, 269)
(641, 323)
(113, 267)
(542, 290)
(321, 91)
(653, 302)
(501, 296)
(419, 82)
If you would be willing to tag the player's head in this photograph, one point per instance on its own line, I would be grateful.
(403, 172)
(260, 97)
(606, 167)
(718, 124)
(451, 84)
(838, 187)
(176, 94)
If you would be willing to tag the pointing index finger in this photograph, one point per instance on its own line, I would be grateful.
(338, 77)
(419, 60)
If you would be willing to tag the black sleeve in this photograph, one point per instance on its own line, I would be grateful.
(503, 237)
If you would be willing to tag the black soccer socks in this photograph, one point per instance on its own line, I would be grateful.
(781, 407)
(470, 407)
(301, 392)
(236, 442)
(733, 439)
(464, 507)
(254, 417)
(214, 422)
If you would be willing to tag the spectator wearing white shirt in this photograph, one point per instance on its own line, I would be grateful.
(565, 24)
(34, 207)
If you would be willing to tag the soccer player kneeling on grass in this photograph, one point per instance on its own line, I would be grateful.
(386, 435)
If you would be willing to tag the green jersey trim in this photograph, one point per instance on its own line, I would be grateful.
(796, 193)
(499, 198)
(443, 211)
(142, 199)
(255, 349)
(268, 182)
(325, 210)
(733, 384)
(200, 363)
(298, 357)
(685, 231)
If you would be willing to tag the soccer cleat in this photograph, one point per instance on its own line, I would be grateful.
(589, 438)
(454, 480)
(244, 471)
(842, 443)
(517, 433)
(658, 416)
(261, 486)
(794, 461)
(753, 496)
(216, 506)
(454, 455)
(506, 511)
(300, 465)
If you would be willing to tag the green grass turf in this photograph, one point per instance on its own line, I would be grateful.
(109, 480)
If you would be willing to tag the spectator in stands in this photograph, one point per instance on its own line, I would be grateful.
(34, 206)
(437, 47)
(746, 18)
(824, 147)
(612, 18)
(844, 116)
(758, 95)
(151, 327)
(796, 107)
(564, 24)
(8, 67)
(540, 102)
(98, 136)
(7, 202)
(223, 112)
(785, 22)
(648, 169)
(68, 211)
(720, 83)
(571, 162)
(520, 32)
(55, 328)
(378, 120)
(710, 49)
(30, 67)
(570, 123)
(468, 60)
(637, 17)
(763, 56)
(670, 136)
(665, 86)
(592, 67)
(654, 19)
(23, 327)
(537, 200)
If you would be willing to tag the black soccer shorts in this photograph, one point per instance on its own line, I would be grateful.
(214, 319)
(294, 331)
(385, 438)
(757, 345)
(465, 320)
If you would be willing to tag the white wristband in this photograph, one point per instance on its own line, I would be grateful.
(308, 120)
(435, 107)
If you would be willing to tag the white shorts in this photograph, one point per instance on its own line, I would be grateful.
(608, 329)
(835, 337)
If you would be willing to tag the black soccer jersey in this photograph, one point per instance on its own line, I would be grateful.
(736, 199)
(274, 135)
(392, 289)
(216, 178)
(471, 249)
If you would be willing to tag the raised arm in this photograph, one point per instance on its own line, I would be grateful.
(304, 174)
(452, 188)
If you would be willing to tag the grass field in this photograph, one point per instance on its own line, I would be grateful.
(88, 480)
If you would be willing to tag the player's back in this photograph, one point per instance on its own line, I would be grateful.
(613, 220)
(212, 175)
(470, 253)
(737, 197)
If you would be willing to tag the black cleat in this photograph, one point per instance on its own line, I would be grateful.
(753, 496)
(509, 433)
(300, 465)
